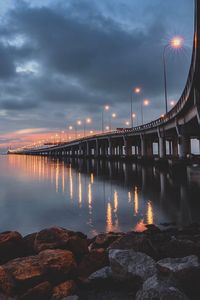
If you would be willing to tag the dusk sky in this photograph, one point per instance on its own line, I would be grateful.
(64, 60)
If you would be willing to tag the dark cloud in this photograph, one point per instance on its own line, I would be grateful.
(89, 55)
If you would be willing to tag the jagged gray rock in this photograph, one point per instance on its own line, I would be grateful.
(126, 264)
(176, 265)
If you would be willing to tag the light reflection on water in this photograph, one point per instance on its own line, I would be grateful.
(91, 196)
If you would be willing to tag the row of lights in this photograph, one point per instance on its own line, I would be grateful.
(175, 43)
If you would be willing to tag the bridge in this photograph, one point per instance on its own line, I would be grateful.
(172, 133)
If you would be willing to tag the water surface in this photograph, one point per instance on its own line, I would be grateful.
(93, 196)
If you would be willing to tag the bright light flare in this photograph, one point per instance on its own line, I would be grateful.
(127, 123)
(137, 90)
(176, 42)
(146, 102)
(88, 120)
(134, 115)
(79, 122)
(107, 107)
(172, 103)
(70, 127)
(114, 115)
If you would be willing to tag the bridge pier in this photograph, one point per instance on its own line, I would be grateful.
(184, 146)
(162, 147)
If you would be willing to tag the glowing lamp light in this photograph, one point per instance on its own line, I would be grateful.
(146, 102)
(88, 120)
(70, 127)
(107, 127)
(79, 122)
(133, 115)
(91, 131)
(137, 90)
(107, 107)
(177, 42)
(127, 123)
(114, 115)
(172, 103)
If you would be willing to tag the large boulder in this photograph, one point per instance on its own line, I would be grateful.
(25, 271)
(93, 261)
(57, 263)
(178, 266)
(185, 271)
(51, 238)
(126, 264)
(40, 292)
(137, 242)
(10, 246)
(7, 284)
(63, 290)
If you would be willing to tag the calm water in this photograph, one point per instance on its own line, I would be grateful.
(91, 196)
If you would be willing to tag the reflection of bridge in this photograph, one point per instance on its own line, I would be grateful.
(172, 133)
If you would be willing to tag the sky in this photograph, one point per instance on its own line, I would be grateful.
(63, 60)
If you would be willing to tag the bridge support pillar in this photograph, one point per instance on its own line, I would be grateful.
(143, 145)
(127, 148)
(184, 146)
(110, 147)
(96, 153)
(87, 149)
(162, 147)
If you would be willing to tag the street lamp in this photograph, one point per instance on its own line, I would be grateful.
(87, 121)
(175, 43)
(77, 123)
(112, 116)
(106, 108)
(136, 90)
(144, 103)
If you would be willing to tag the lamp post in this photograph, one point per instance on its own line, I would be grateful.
(175, 43)
(87, 121)
(144, 103)
(77, 123)
(136, 90)
(106, 108)
(112, 116)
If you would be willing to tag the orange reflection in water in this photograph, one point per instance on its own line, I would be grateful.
(136, 204)
(92, 178)
(140, 226)
(150, 218)
(79, 190)
(109, 223)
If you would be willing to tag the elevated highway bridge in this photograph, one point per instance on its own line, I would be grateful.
(172, 133)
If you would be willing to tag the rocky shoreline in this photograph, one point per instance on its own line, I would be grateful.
(56, 264)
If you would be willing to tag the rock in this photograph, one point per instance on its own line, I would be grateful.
(64, 289)
(78, 246)
(28, 244)
(6, 282)
(25, 271)
(137, 242)
(10, 245)
(93, 261)
(57, 263)
(178, 248)
(102, 274)
(103, 240)
(40, 292)
(51, 238)
(170, 293)
(126, 264)
(178, 265)
(185, 271)
(157, 282)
